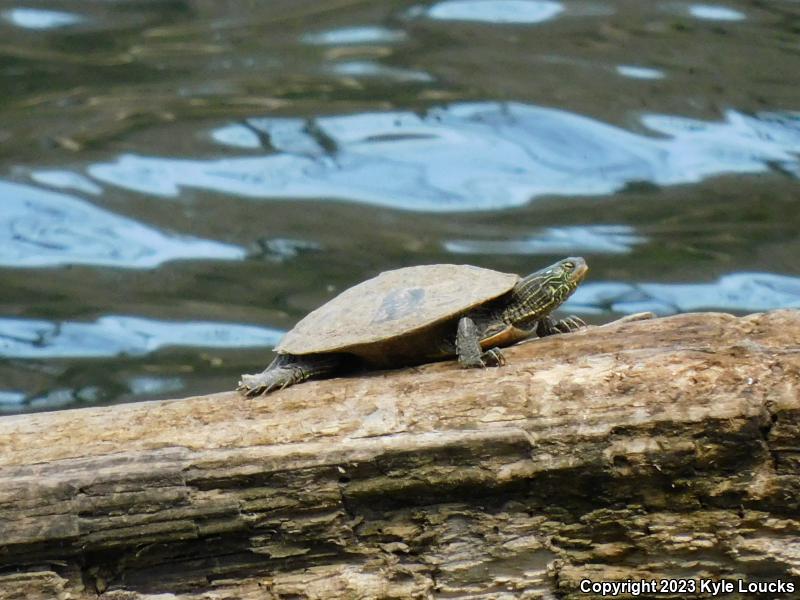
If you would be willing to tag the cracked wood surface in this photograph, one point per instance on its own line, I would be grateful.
(648, 449)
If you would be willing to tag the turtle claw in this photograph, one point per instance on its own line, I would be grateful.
(570, 324)
(262, 383)
(493, 358)
(549, 327)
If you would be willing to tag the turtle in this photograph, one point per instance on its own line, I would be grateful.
(421, 314)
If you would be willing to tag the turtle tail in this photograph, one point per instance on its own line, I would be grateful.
(288, 369)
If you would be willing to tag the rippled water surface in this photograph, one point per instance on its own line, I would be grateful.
(181, 181)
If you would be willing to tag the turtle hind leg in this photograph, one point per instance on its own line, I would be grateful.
(468, 347)
(289, 369)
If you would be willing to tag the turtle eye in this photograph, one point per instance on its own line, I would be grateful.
(569, 265)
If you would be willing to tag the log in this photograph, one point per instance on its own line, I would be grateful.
(665, 450)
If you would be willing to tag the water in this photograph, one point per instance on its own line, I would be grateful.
(180, 182)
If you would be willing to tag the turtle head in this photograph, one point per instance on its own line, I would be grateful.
(539, 293)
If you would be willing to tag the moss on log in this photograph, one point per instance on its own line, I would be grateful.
(647, 450)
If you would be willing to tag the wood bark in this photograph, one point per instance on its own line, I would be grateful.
(658, 449)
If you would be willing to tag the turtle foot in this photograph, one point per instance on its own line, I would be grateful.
(547, 326)
(267, 381)
(287, 370)
(493, 357)
(468, 348)
(569, 324)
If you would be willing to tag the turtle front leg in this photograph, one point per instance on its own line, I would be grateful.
(468, 347)
(547, 326)
(287, 370)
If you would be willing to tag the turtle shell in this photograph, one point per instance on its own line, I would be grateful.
(395, 304)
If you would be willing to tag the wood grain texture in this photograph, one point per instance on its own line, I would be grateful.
(649, 449)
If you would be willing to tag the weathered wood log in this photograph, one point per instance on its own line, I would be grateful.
(650, 450)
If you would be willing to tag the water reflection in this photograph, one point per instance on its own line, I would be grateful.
(150, 386)
(236, 136)
(282, 249)
(11, 399)
(66, 180)
(121, 335)
(493, 11)
(581, 239)
(738, 292)
(62, 398)
(40, 228)
(290, 136)
(468, 156)
(635, 72)
(365, 68)
(355, 35)
(713, 12)
(34, 18)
